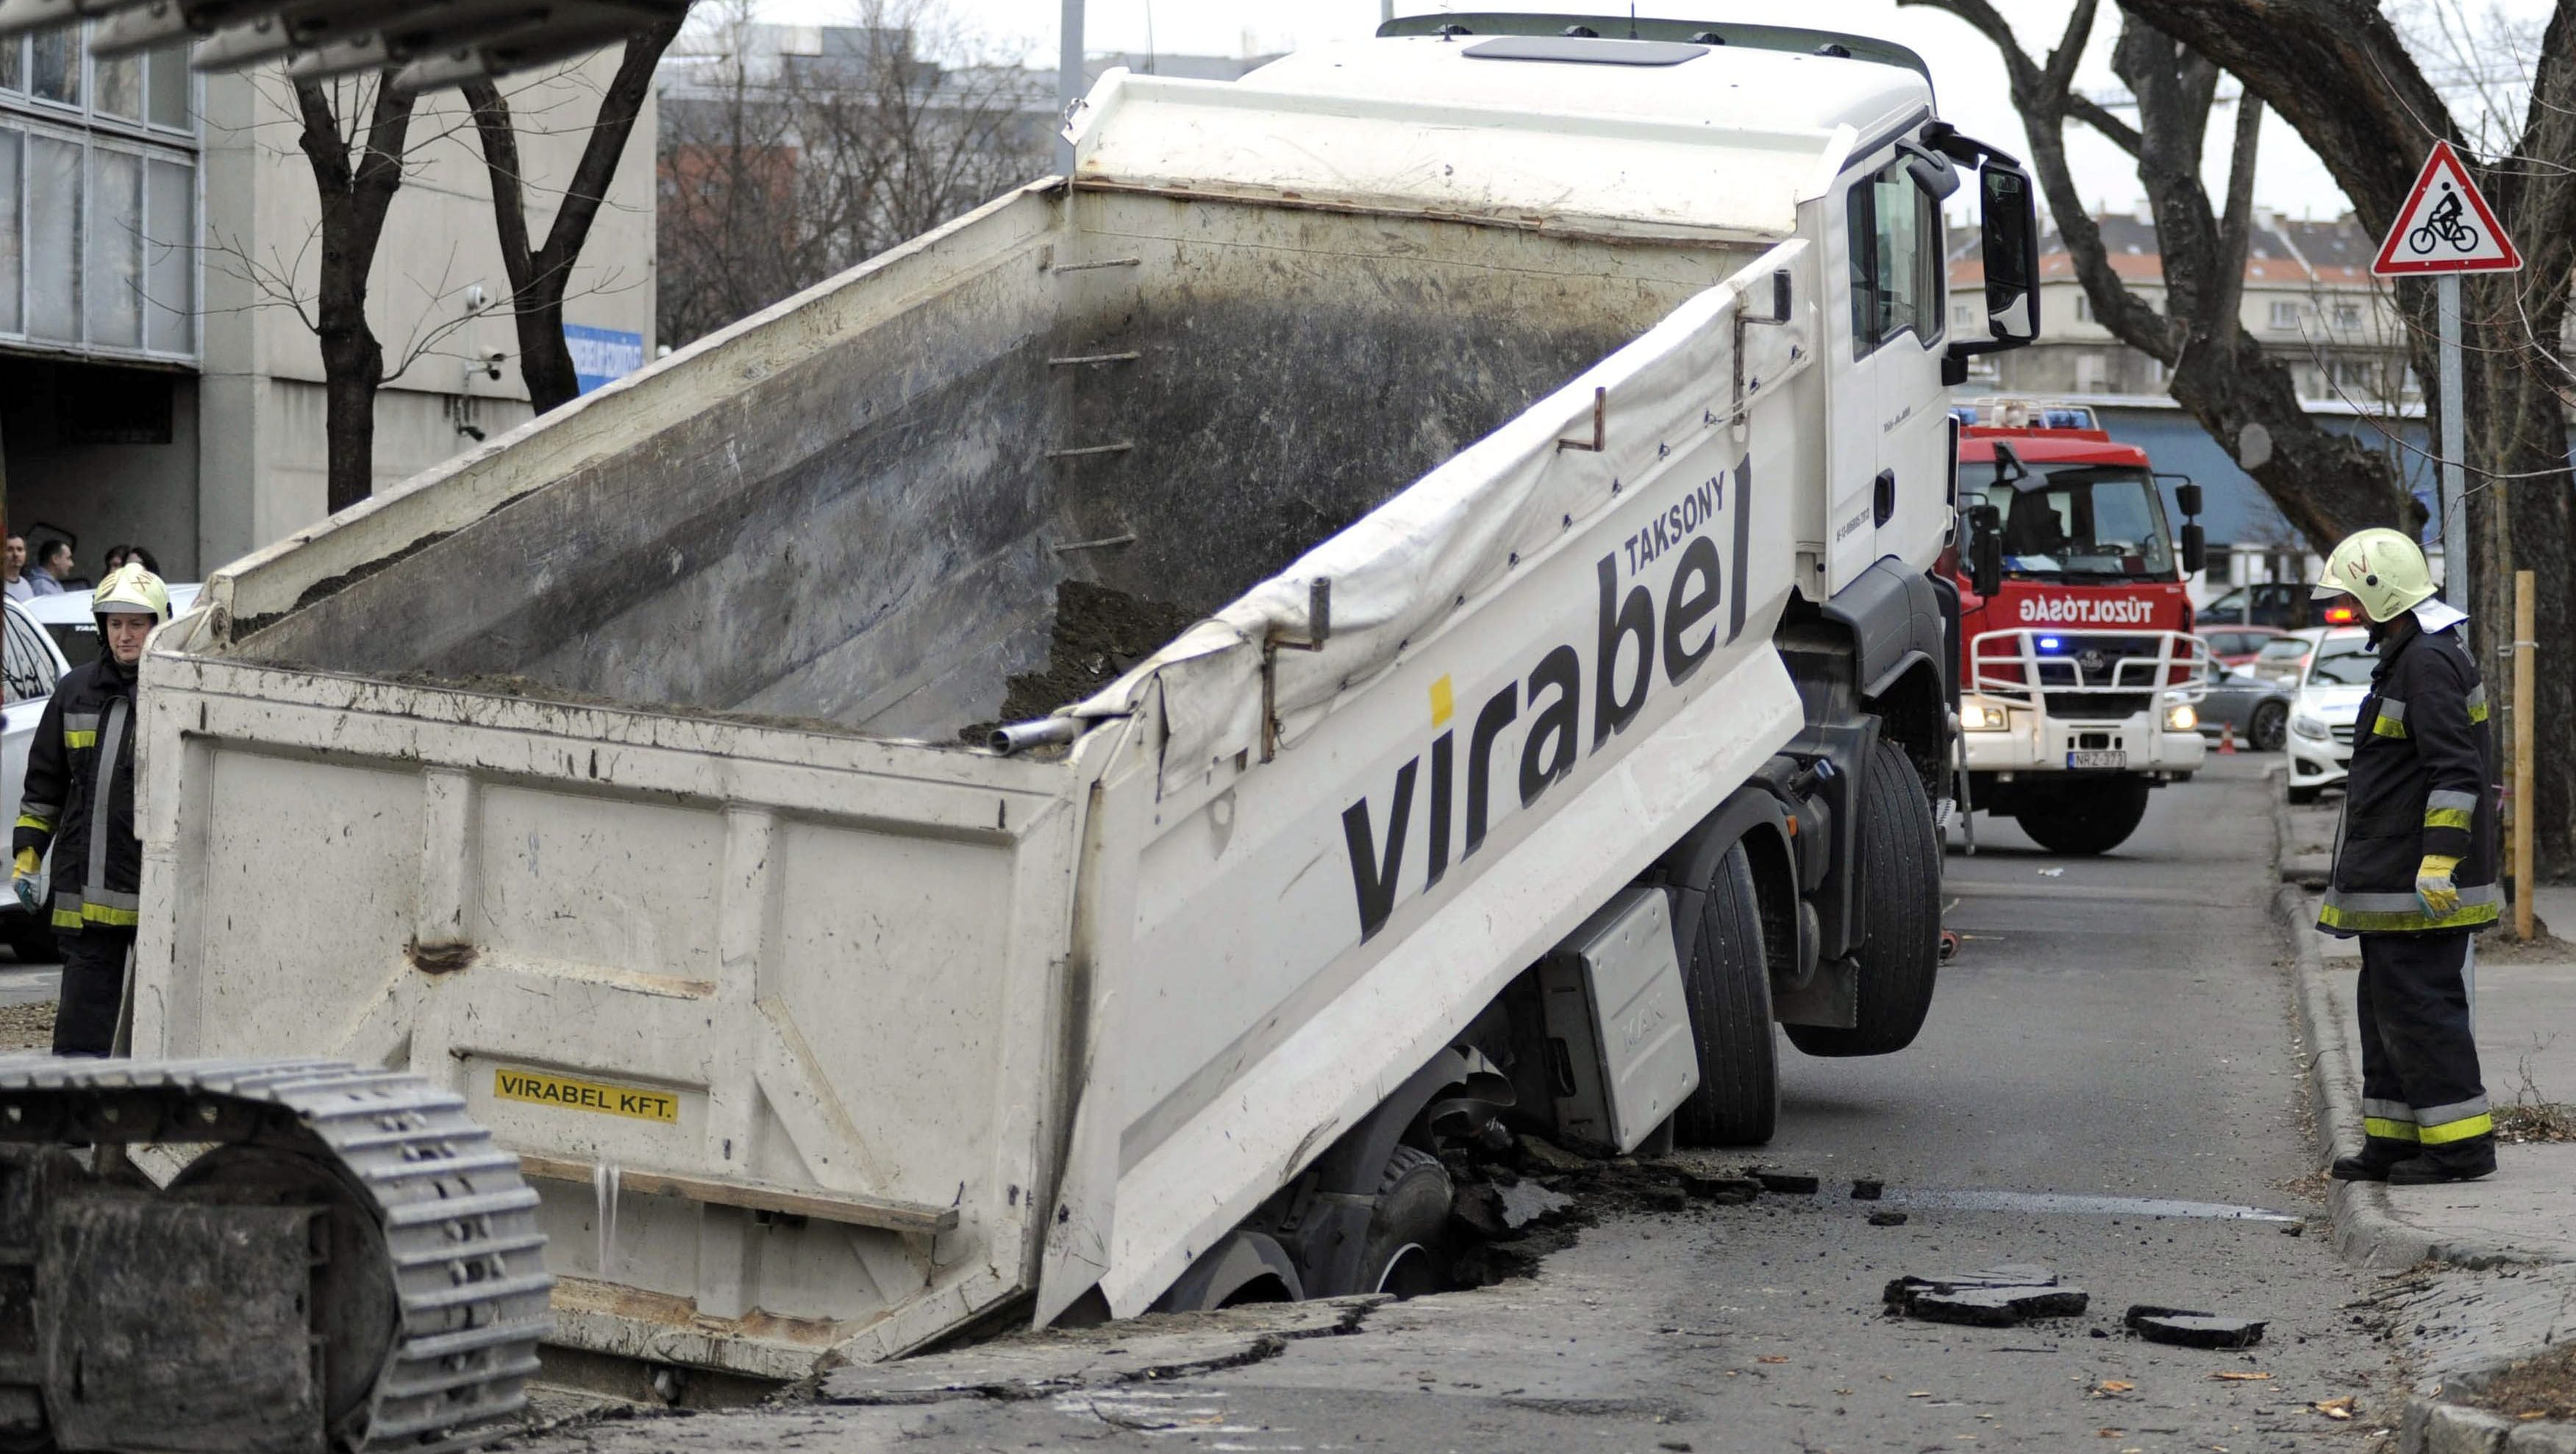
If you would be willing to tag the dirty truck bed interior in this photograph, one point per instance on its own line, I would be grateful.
(1119, 407)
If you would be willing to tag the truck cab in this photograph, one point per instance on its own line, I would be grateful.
(2078, 667)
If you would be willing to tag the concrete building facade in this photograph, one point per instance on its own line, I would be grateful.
(159, 245)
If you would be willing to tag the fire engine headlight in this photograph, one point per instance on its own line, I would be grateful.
(1978, 717)
(2181, 718)
(2311, 727)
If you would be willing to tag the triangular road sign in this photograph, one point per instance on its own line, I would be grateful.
(2446, 226)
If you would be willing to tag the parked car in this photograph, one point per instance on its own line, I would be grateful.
(67, 619)
(2284, 658)
(2235, 646)
(30, 663)
(2281, 605)
(2256, 707)
(2322, 712)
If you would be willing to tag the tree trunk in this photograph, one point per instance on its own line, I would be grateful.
(356, 181)
(540, 276)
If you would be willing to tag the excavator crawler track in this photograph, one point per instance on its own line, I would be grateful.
(435, 1266)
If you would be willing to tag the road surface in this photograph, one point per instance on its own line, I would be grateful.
(2107, 1085)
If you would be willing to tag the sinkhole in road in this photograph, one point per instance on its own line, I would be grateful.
(1972, 1199)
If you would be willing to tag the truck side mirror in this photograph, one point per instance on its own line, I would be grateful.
(1929, 171)
(2195, 546)
(1985, 549)
(2187, 495)
(2010, 219)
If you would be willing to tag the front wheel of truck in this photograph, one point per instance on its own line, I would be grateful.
(1728, 985)
(1900, 847)
(1407, 1250)
(2089, 818)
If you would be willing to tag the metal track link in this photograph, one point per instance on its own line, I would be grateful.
(464, 1253)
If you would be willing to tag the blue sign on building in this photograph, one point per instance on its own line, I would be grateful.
(600, 355)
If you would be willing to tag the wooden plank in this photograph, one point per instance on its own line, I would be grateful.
(882, 1213)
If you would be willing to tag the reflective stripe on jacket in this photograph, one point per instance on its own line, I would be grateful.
(79, 798)
(2423, 782)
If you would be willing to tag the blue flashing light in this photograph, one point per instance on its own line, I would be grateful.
(2048, 643)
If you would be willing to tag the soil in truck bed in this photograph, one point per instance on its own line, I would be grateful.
(1098, 634)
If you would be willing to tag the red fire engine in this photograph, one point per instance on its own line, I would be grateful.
(2078, 667)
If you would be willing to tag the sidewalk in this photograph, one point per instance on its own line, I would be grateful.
(2522, 1221)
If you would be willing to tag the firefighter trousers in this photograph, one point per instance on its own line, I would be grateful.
(2420, 1090)
(93, 989)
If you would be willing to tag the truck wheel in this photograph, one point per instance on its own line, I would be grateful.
(1900, 848)
(2094, 818)
(1728, 986)
(2270, 729)
(31, 939)
(1406, 1252)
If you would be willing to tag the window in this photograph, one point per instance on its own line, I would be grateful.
(2083, 307)
(2285, 315)
(24, 662)
(2347, 315)
(1963, 315)
(98, 197)
(1895, 261)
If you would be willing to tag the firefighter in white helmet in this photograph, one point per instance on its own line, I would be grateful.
(2415, 870)
(79, 800)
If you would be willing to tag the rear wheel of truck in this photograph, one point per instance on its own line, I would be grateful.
(1728, 985)
(1900, 848)
(1407, 1249)
(2088, 818)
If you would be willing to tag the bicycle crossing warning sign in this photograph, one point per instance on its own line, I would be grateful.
(2446, 226)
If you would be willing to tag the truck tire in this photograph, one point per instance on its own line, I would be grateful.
(1407, 1249)
(2088, 819)
(1900, 848)
(1727, 984)
(31, 939)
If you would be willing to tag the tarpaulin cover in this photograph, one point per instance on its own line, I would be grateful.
(1432, 551)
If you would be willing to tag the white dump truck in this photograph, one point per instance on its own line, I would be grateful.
(1052, 774)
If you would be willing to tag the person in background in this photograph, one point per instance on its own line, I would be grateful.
(53, 565)
(115, 560)
(13, 571)
(79, 802)
(137, 555)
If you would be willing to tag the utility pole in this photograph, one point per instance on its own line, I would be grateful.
(1068, 78)
(2455, 448)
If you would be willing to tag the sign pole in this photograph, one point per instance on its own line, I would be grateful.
(2455, 475)
(2526, 614)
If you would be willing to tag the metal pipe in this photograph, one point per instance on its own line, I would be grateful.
(1068, 78)
(2455, 475)
(1021, 736)
(2526, 628)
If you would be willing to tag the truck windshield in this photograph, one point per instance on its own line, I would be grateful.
(2077, 521)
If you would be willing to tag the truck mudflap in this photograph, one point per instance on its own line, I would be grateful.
(376, 1255)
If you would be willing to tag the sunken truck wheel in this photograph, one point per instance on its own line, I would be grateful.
(1727, 984)
(1900, 848)
(1407, 1249)
(2087, 818)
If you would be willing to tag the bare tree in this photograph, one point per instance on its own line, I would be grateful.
(778, 170)
(540, 275)
(2325, 483)
(357, 170)
(2342, 74)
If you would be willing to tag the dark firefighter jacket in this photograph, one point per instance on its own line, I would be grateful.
(2423, 781)
(79, 797)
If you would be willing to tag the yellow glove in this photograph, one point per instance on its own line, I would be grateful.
(2433, 887)
(23, 881)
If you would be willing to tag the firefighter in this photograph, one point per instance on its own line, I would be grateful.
(79, 798)
(2415, 870)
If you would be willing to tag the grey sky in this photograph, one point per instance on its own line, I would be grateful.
(1965, 69)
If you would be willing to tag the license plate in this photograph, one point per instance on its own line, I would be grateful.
(2097, 759)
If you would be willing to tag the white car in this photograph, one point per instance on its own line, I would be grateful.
(66, 617)
(2330, 690)
(31, 664)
